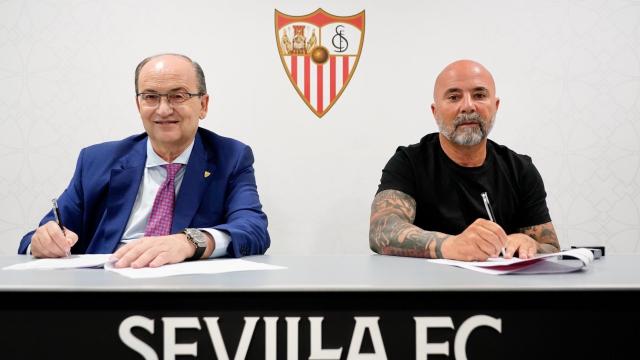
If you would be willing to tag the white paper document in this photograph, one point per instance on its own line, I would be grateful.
(212, 266)
(69, 262)
(540, 264)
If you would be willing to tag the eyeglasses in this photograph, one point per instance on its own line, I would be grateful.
(174, 98)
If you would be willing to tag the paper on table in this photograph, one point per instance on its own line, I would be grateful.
(69, 262)
(540, 264)
(212, 266)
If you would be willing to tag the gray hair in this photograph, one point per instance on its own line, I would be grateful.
(202, 85)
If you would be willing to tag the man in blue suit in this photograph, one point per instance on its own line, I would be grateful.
(176, 192)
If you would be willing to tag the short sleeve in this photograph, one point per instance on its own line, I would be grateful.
(533, 197)
(399, 174)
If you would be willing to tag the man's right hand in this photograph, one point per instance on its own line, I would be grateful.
(478, 242)
(48, 241)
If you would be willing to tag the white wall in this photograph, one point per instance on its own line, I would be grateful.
(568, 74)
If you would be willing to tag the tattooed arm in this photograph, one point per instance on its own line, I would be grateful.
(391, 229)
(532, 240)
(391, 232)
(545, 237)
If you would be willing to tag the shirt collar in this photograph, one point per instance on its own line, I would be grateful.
(154, 160)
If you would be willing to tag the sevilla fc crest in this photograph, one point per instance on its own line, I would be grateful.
(319, 52)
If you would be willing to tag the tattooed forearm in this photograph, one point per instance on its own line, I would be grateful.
(391, 229)
(545, 235)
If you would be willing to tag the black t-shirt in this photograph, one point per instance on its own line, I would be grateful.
(448, 196)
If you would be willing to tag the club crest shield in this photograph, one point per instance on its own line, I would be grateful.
(319, 52)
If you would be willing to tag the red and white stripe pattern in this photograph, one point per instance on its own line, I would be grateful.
(320, 84)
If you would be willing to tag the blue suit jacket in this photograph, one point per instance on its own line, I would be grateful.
(98, 202)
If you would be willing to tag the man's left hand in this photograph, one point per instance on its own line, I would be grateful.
(525, 246)
(154, 251)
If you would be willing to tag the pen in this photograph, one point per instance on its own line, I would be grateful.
(56, 213)
(487, 206)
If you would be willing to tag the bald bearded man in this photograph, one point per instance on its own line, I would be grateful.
(429, 201)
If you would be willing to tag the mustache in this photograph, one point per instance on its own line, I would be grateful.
(473, 118)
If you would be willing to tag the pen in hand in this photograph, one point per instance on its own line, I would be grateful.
(487, 206)
(56, 214)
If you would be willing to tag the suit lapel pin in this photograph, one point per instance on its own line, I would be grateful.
(206, 174)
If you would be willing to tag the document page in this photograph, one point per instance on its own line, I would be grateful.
(211, 266)
(69, 262)
(540, 264)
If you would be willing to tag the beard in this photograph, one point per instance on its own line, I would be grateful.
(467, 135)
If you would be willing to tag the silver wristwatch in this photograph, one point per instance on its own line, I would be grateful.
(199, 239)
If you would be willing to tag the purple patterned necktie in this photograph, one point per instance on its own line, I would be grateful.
(162, 212)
